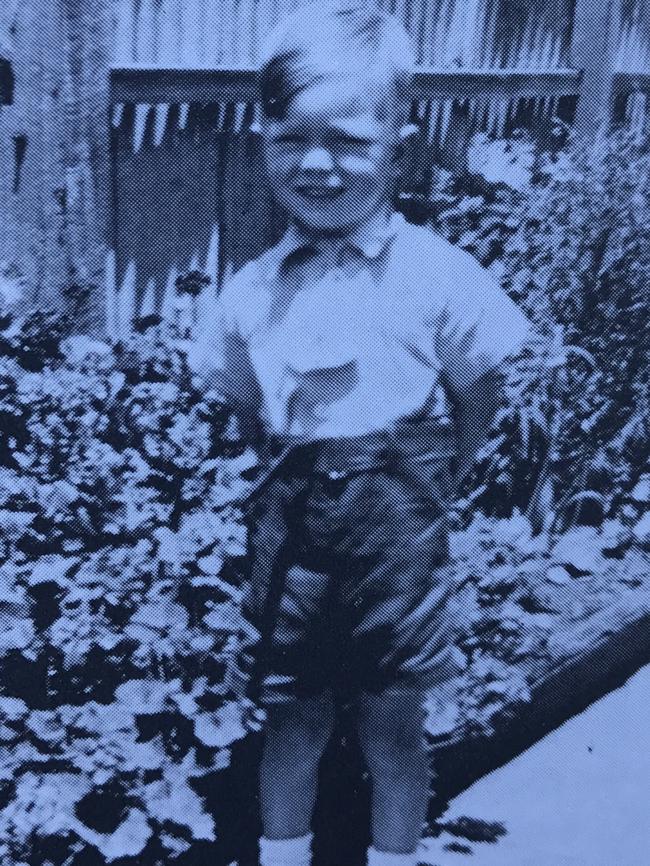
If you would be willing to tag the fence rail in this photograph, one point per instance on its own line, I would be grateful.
(630, 81)
(141, 84)
(151, 85)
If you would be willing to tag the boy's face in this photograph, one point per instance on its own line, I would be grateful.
(331, 158)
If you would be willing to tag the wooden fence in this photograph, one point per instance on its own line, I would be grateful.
(178, 184)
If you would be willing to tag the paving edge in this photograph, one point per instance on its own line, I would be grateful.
(607, 649)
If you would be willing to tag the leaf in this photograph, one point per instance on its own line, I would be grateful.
(146, 697)
(44, 803)
(7, 734)
(175, 845)
(46, 725)
(587, 496)
(246, 461)
(581, 353)
(13, 709)
(10, 594)
(202, 643)
(52, 569)
(556, 361)
(15, 632)
(228, 589)
(186, 703)
(162, 616)
(128, 840)
(641, 492)
(109, 640)
(169, 547)
(13, 521)
(175, 801)
(101, 776)
(223, 617)
(221, 728)
(116, 381)
(211, 564)
(579, 548)
(142, 634)
(102, 719)
(143, 756)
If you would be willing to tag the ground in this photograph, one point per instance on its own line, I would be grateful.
(579, 797)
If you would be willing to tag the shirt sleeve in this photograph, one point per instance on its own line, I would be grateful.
(477, 325)
(219, 354)
(206, 352)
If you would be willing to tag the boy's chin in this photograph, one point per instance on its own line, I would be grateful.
(336, 222)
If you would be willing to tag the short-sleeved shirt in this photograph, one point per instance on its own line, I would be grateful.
(349, 337)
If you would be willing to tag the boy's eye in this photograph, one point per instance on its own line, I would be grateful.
(348, 143)
(289, 138)
(352, 141)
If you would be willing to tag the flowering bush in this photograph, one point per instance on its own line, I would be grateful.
(119, 610)
(580, 263)
(571, 246)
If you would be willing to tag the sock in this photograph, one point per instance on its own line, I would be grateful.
(286, 852)
(389, 858)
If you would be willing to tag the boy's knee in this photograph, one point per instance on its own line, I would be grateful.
(394, 754)
(392, 735)
(300, 727)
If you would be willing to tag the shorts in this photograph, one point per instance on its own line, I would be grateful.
(350, 581)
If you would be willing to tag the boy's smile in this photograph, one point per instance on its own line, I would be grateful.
(331, 158)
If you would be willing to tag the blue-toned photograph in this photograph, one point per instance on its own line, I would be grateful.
(324, 433)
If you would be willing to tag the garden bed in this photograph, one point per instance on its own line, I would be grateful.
(593, 631)
(528, 605)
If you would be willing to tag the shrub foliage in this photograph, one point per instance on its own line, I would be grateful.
(119, 622)
(573, 248)
(121, 540)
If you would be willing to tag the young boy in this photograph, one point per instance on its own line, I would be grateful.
(336, 340)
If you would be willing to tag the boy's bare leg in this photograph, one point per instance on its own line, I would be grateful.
(391, 732)
(296, 735)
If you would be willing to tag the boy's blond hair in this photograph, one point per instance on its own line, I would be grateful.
(348, 39)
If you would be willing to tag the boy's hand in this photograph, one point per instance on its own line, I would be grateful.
(475, 408)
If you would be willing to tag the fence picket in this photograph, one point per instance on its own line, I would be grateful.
(145, 42)
(141, 119)
(148, 305)
(126, 301)
(207, 298)
(167, 307)
(123, 49)
(596, 33)
(110, 298)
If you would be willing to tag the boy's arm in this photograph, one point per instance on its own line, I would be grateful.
(477, 328)
(474, 411)
(219, 356)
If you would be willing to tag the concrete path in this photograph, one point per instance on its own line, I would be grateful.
(579, 797)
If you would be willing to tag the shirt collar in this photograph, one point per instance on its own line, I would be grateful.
(370, 239)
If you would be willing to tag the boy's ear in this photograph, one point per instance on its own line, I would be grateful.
(406, 136)
(407, 131)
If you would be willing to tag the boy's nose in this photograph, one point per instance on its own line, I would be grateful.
(317, 159)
